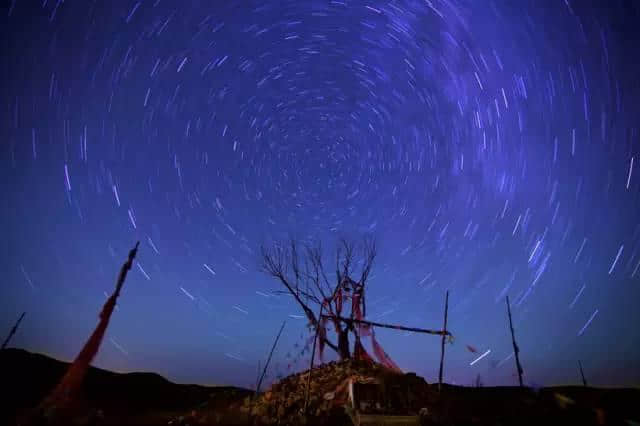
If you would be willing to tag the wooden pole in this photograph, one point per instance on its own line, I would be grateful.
(516, 351)
(444, 328)
(258, 376)
(394, 327)
(266, 365)
(13, 331)
(584, 381)
(313, 356)
(251, 401)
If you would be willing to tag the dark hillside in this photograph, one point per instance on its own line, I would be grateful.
(27, 377)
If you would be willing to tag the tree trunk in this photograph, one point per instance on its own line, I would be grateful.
(343, 344)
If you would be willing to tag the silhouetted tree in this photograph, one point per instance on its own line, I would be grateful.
(301, 270)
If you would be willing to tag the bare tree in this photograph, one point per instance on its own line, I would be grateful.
(302, 270)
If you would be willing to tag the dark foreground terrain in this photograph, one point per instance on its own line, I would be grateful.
(148, 399)
(127, 399)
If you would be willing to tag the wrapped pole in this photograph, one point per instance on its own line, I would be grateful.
(444, 328)
(13, 331)
(73, 378)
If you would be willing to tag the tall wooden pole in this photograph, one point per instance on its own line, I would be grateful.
(391, 326)
(444, 336)
(13, 331)
(266, 365)
(516, 351)
(313, 356)
(584, 381)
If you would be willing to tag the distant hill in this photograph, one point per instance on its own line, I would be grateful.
(25, 378)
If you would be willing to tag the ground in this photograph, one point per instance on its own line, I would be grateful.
(145, 399)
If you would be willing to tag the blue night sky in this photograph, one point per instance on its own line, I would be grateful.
(489, 146)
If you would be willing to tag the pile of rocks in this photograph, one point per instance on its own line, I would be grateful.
(284, 401)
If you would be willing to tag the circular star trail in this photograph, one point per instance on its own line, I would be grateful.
(490, 147)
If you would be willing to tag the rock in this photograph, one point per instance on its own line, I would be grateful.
(328, 391)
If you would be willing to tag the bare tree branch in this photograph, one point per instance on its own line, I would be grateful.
(371, 251)
(303, 275)
(274, 264)
(295, 265)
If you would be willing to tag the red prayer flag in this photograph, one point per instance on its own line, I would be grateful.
(382, 355)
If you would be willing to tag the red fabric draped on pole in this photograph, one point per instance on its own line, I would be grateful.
(355, 306)
(382, 355)
(322, 335)
(363, 329)
(72, 380)
(360, 353)
(360, 330)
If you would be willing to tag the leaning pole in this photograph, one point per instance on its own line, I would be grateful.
(516, 350)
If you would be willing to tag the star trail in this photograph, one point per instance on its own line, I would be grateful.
(489, 147)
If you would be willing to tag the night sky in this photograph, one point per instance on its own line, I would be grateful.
(489, 146)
